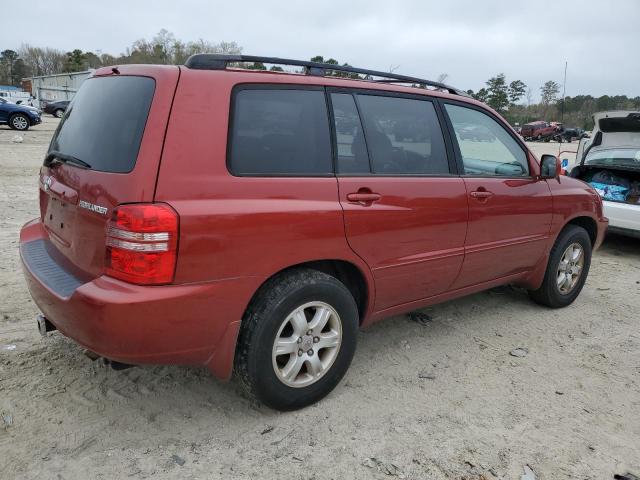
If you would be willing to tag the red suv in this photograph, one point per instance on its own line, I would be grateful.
(252, 221)
(538, 131)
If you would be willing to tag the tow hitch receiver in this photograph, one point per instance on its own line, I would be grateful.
(45, 326)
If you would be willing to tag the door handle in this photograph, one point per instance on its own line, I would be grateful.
(481, 194)
(363, 198)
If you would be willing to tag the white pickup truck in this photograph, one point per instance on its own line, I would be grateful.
(610, 161)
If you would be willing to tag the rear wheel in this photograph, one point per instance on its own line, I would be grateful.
(567, 270)
(297, 339)
(19, 121)
(58, 113)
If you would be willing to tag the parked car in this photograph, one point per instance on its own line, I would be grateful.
(538, 131)
(18, 117)
(568, 134)
(57, 109)
(610, 162)
(238, 231)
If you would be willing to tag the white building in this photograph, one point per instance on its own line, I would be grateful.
(51, 88)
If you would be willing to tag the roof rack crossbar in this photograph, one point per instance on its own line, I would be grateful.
(212, 61)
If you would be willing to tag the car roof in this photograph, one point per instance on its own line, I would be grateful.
(246, 76)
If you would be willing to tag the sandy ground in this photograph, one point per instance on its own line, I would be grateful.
(443, 400)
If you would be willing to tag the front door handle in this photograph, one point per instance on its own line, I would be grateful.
(481, 194)
(363, 198)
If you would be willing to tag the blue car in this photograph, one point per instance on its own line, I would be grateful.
(18, 117)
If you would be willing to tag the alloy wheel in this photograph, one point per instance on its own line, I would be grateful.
(19, 122)
(307, 344)
(570, 268)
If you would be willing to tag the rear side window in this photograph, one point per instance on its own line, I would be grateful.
(403, 135)
(105, 121)
(350, 145)
(280, 132)
(486, 147)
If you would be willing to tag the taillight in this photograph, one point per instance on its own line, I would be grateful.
(142, 241)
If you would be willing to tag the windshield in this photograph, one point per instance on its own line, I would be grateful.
(104, 123)
(622, 157)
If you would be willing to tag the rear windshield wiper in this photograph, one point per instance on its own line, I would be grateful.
(59, 157)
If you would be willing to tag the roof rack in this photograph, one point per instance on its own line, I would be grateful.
(213, 61)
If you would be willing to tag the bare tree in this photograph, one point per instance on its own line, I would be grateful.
(442, 77)
(43, 61)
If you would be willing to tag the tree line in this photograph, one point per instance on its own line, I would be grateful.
(163, 48)
(513, 99)
(507, 98)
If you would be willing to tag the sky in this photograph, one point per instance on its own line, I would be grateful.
(470, 40)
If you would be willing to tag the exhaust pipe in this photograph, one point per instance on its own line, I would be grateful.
(93, 356)
(116, 365)
(44, 325)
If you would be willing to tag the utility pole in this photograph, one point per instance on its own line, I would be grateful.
(564, 90)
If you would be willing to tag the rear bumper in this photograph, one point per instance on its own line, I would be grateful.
(194, 324)
(622, 216)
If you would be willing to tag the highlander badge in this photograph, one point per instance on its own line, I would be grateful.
(94, 208)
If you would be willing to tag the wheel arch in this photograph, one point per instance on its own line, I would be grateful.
(345, 271)
(358, 282)
(535, 279)
(29, 122)
(586, 222)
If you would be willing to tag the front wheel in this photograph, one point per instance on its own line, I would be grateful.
(297, 339)
(19, 122)
(58, 113)
(567, 270)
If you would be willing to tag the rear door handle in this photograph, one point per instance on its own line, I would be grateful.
(481, 194)
(363, 198)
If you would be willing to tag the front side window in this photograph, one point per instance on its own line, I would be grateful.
(403, 136)
(486, 147)
(280, 132)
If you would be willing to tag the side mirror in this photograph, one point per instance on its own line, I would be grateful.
(550, 167)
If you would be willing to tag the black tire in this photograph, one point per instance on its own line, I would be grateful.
(58, 113)
(19, 121)
(261, 322)
(549, 293)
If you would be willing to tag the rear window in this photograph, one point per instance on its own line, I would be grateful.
(280, 132)
(631, 123)
(104, 123)
(624, 157)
